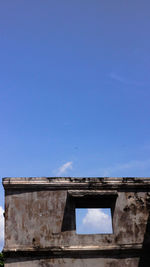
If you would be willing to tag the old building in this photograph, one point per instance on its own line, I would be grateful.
(40, 223)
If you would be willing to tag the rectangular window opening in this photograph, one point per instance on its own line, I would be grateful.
(93, 221)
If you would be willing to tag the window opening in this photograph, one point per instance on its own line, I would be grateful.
(94, 221)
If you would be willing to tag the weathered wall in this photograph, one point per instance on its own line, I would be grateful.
(130, 262)
(40, 222)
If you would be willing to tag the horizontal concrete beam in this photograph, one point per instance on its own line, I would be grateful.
(60, 183)
(77, 251)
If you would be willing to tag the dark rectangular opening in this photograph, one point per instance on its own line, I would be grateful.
(89, 212)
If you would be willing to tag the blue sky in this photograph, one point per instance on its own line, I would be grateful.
(93, 221)
(74, 88)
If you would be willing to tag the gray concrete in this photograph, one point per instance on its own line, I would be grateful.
(40, 225)
(78, 262)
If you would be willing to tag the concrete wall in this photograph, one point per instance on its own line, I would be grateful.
(130, 262)
(40, 227)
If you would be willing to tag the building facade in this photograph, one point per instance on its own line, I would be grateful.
(40, 223)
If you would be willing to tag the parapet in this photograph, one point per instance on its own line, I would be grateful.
(40, 223)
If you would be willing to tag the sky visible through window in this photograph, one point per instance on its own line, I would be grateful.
(74, 90)
(93, 221)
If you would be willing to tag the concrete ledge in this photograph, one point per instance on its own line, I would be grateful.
(77, 251)
(60, 183)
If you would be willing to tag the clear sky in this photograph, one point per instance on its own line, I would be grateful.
(74, 88)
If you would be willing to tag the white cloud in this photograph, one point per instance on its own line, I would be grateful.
(117, 77)
(1, 228)
(135, 164)
(97, 221)
(64, 168)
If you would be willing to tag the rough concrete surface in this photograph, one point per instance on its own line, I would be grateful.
(40, 227)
